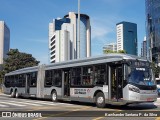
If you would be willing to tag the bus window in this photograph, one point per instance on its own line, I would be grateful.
(48, 77)
(33, 78)
(16, 81)
(21, 80)
(87, 76)
(99, 74)
(7, 81)
(57, 80)
(76, 76)
(12, 81)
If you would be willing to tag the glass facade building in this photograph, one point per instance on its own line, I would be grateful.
(83, 35)
(127, 37)
(153, 29)
(59, 22)
(144, 48)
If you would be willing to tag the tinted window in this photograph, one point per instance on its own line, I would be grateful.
(87, 76)
(76, 76)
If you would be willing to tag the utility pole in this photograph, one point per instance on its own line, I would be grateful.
(78, 31)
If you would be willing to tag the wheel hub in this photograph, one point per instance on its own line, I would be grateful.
(100, 100)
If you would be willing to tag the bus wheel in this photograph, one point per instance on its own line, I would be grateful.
(54, 96)
(17, 94)
(100, 100)
(12, 94)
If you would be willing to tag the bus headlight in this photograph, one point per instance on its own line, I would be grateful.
(134, 89)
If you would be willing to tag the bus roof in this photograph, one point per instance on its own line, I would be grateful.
(79, 62)
(24, 70)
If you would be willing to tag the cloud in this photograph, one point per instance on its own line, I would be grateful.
(103, 32)
(104, 28)
(99, 28)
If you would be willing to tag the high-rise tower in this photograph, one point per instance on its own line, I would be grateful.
(127, 37)
(63, 38)
(153, 29)
(4, 41)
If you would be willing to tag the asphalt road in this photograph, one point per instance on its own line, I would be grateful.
(37, 109)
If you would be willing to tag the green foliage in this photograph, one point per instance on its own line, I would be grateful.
(111, 51)
(156, 69)
(17, 60)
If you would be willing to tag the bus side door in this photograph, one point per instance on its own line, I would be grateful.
(116, 82)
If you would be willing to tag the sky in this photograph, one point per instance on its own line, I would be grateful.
(28, 21)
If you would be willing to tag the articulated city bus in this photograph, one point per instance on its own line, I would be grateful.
(117, 79)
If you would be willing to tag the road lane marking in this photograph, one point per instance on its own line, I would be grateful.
(12, 104)
(3, 105)
(36, 103)
(32, 103)
(42, 102)
(26, 103)
(50, 103)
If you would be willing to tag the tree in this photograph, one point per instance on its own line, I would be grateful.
(111, 51)
(156, 69)
(17, 60)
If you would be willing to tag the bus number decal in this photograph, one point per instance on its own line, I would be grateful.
(79, 91)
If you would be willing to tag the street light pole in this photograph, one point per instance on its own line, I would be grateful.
(78, 38)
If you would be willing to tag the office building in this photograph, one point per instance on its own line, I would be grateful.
(144, 48)
(153, 29)
(4, 41)
(127, 37)
(111, 47)
(63, 34)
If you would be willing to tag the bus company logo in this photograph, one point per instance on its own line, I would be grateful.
(6, 114)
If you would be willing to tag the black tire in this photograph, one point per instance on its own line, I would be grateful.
(16, 94)
(12, 94)
(100, 100)
(54, 96)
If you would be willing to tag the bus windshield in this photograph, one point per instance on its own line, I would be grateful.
(141, 76)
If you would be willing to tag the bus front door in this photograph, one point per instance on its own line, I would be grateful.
(27, 89)
(116, 78)
(66, 85)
